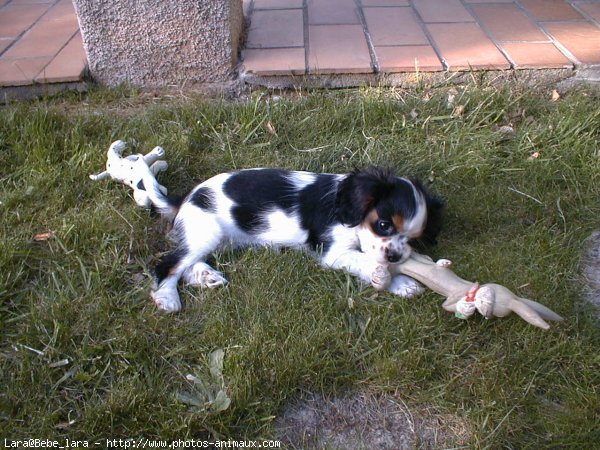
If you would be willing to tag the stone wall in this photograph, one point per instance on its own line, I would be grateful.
(161, 43)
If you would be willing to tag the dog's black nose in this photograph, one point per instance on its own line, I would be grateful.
(393, 257)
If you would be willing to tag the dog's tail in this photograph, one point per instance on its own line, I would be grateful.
(166, 205)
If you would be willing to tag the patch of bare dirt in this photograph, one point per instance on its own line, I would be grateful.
(367, 421)
(591, 271)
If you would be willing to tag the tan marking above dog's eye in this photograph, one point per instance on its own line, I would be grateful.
(398, 221)
(370, 219)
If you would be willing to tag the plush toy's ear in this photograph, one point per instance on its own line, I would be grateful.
(359, 192)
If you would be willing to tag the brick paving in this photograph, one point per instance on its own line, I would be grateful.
(392, 36)
(39, 43)
(40, 40)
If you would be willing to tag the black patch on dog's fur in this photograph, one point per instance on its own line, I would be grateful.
(204, 198)
(316, 203)
(255, 193)
(261, 188)
(249, 219)
(168, 262)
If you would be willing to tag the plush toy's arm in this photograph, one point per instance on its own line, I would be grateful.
(114, 153)
(156, 154)
(159, 166)
(492, 300)
(100, 176)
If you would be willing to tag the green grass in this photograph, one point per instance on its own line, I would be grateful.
(284, 323)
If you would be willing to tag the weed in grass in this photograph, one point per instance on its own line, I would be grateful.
(208, 395)
(85, 355)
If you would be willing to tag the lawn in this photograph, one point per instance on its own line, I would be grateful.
(84, 353)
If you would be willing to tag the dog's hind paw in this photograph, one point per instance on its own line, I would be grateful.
(166, 300)
(202, 275)
(405, 286)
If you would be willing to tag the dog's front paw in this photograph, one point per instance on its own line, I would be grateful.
(381, 278)
(166, 299)
(405, 286)
(202, 275)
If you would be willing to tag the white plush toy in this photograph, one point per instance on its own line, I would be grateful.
(129, 170)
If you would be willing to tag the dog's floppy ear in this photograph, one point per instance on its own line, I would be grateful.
(359, 192)
(435, 210)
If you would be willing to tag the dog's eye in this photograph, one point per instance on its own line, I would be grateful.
(384, 226)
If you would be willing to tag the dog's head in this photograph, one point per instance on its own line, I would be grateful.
(390, 212)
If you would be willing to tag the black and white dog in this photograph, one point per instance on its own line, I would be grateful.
(354, 221)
